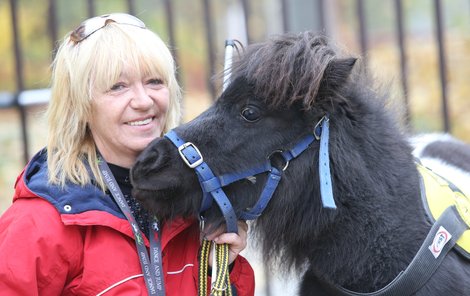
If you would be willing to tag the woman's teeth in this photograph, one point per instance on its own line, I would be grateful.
(140, 122)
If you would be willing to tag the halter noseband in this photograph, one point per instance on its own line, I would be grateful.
(212, 185)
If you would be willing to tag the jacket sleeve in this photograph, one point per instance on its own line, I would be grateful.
(37, 249)
(242, 277)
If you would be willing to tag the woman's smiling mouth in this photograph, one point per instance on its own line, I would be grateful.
(140, 122)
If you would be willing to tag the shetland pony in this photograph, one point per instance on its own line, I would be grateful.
(376, 222)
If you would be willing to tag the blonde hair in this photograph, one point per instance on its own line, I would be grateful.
(80, 70)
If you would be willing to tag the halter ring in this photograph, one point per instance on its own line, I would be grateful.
(280, 152)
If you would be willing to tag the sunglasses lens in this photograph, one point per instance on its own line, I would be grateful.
(125, 19)
(94, 24)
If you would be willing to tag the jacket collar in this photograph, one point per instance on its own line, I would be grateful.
(82, 205)
(73, 198)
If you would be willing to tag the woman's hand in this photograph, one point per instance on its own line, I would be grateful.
(236, 242)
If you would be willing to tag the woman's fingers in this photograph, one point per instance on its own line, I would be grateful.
(237, 241)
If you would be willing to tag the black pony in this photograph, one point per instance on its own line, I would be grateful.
(280, 93)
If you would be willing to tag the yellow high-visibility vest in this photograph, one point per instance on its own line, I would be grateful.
(439, 194)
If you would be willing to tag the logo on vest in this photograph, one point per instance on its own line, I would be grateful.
(440, 240)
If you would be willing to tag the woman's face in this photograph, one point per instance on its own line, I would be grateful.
(128, 116)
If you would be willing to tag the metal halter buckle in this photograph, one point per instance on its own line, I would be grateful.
(185, 159)
(318, 126)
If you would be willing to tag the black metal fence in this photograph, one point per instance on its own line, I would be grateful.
(23, 98)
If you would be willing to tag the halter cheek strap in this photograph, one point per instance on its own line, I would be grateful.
(326, 188)
(212, 185)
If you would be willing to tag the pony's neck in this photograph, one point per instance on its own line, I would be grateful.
(380, 221)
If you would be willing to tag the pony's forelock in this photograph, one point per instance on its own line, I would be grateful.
(288, 66)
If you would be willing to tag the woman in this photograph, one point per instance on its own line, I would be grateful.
(113, 91)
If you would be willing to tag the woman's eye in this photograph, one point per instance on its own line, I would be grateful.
(117, 86)
(155, 81)
(251, 113)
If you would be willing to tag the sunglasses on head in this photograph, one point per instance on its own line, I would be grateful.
(94, 24)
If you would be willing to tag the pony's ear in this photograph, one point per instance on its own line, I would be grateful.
(335, 76)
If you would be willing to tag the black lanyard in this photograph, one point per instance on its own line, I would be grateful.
(152, 269)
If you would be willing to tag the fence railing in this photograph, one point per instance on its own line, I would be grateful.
(22, 98)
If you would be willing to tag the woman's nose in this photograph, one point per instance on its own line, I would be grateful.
(141, 99)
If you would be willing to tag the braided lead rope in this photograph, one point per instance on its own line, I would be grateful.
(203, 266)
(221, 285)
(222, 281)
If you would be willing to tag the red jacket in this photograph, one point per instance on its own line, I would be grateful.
(77, 242)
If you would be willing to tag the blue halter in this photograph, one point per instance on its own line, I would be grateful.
(212, 185)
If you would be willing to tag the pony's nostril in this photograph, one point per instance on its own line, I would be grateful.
(148, 162)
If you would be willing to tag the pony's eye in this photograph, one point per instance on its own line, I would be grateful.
(251, 113)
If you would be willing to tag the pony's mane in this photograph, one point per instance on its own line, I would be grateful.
(287, 66)
(308, 70)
